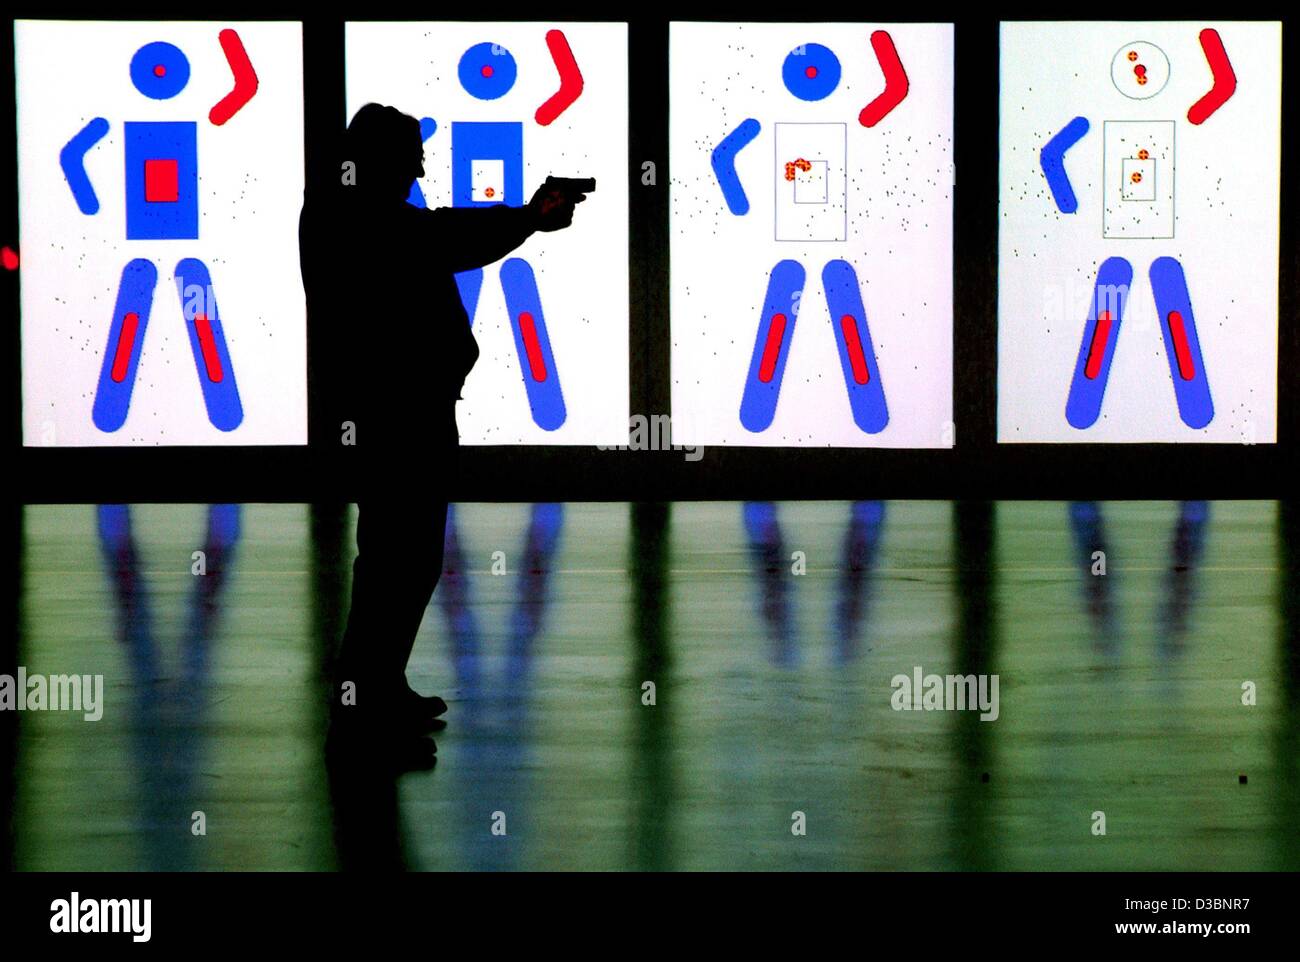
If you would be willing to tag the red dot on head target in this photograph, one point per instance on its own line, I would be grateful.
(487, 70)
(160, 71)
(810, 72)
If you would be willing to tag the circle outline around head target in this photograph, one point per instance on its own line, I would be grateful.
(1143, 76)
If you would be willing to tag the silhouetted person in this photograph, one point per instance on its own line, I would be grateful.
(381, 292)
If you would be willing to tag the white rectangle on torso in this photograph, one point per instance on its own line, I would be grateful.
(1138, 179)
(811, 188)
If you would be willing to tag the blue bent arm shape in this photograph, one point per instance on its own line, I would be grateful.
(724, 164)
(71, 157)
(1052, 158)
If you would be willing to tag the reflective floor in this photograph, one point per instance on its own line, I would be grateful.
(771, 635)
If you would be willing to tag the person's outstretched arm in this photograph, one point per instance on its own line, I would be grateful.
(471, 237)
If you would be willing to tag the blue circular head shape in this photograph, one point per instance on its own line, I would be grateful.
(159, 70)
(811, 71)
(487, 71)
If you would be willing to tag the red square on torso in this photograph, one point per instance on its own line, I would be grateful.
(161, 181)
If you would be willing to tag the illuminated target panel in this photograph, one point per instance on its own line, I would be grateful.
(161, 175)
(811, 206)
(1138, 232)
(501, 106)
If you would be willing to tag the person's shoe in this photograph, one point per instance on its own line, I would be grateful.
(427, 706)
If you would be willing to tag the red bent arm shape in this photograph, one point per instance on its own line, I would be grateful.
(1225, 80)
(570, 78)
(895, 81)
(245, 79)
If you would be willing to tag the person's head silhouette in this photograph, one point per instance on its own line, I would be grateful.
(386, 147)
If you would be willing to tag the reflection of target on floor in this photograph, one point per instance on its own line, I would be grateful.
(1139, 70)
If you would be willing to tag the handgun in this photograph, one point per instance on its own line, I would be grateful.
(572, 186)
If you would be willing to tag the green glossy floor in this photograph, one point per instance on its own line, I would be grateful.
(771, 634)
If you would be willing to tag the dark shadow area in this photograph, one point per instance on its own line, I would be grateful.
(649, 558)
(369, 835)
(368, 831)
(975, 644)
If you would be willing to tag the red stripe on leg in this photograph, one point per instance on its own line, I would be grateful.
(1182, 350)
(857, 360)
(1097, 349)
(125, 343)
(211, 360)
(532, 347)
(772, 349)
